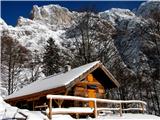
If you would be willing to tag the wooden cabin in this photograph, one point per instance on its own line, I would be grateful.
(90, 80)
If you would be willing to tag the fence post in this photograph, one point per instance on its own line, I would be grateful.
(120, 109)
(50, 109)
(142, 105)
(95, 108)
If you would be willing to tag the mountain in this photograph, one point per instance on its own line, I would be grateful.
(32, 34)
(52, 15)
(46, 21)
(115, 14)
(133, 43)
(147, 9)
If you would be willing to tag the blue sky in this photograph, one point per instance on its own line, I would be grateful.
(11, 10)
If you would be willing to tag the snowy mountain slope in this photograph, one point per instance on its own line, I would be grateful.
(115, 14)
(2, 23)
(147, 9)
(52, 15)
(131, 35)
(46, 21)
(127, 40)
(32, 34)
(52, 20)
(137, 47)
(122, 18)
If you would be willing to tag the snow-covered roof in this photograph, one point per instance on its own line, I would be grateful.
(53, 81)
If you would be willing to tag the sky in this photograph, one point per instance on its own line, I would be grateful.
(11, 10)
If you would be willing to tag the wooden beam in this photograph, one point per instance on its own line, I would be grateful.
(41, 106)
(111, 77)
(95, 109)
(120, 109)
(60, 102)
(83, 83)
(77, 116)
(33, 106)
(50, 109)
(33, 99)
(142, 105)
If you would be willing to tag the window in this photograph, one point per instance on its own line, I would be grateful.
(91, 86)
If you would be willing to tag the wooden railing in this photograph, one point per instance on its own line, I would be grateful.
(141, 104)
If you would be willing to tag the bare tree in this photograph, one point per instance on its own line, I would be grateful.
(89, 39)
(35, 65)
(14, 57)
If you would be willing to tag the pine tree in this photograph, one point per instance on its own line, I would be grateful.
(51, 58)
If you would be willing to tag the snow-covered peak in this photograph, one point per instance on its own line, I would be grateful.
(2, 22)
(24, 21)
(3, 25)
(116, 13)
(52, 14)
(147, 9)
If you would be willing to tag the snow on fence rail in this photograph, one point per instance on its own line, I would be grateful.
(50, 111)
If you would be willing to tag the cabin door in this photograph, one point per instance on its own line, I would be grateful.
(91, 94)
(90, 90)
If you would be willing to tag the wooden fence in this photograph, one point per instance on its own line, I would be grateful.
(50, 111)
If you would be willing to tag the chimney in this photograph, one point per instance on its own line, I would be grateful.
(67, 68)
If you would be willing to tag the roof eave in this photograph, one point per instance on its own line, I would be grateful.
(110, 75)
(38, 94)
(84, 75)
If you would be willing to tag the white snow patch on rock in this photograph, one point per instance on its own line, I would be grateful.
(116, 13)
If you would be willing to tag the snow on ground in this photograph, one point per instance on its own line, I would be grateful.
(62, 117)
(7, 111)
(128, 116)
